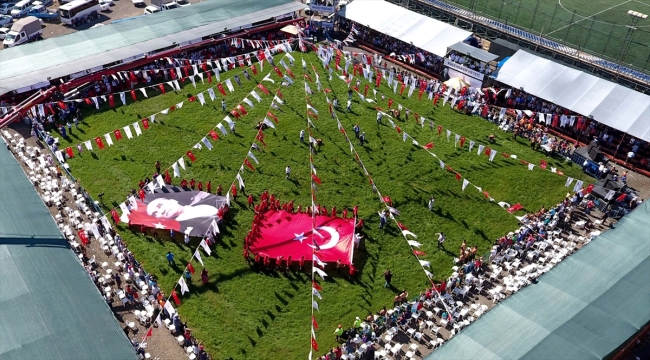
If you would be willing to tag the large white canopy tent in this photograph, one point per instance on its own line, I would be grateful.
(424, 32)
(613, 105)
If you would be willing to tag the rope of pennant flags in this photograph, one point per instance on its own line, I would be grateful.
(385, 200)
(181, 70)
(458, 139)
(239, 111)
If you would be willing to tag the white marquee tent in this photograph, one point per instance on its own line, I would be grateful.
(424, 32)
(613, 105)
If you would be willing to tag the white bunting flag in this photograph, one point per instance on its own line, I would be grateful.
(124, 208)
(568, 182)
(176, 85)
(144, 92)
(205, 247)
(207, 143)
(151, 186)
(318, 261)
(164, 112)
(179, 105)
(153, 118)
(480, 149)
(127, 130)
(215, 226)
(465, 183)
(170, 309)
(109, 141)
(229, 85)
(181, 162)
(193, 81)
(493, 153)
(448, 134)
(442, 165)
(250, 155)
(578, 186)
(404, 136)
(197, 254)
(96, 101)
(183, 285)
(414, 243)
(161, 181)
(248, 102)
(316, 293)
(201, 98)
(255, 95)
(89, 145)
(177, 173)
(123, 98)
(222, 128)
(429, 274)
(231, 124)
(314, 304)
(456, 138)
(531, 166)
(211, 93)
(471, 145)
(425, 263)
(240, 180)
(136, 126)
(269, 123)
(320, 272)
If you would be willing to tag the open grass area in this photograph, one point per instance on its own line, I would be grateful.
(598, 26)
(246, 314)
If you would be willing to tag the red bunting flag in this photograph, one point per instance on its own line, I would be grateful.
(88, 101)
(172, 108)
(390, 103)
(235, 113)
(458, 176)
(248, 163)
(401, 90)
(399, 130)
(387, 200)
(505, 155)
(141, 194)
(310, 113)
(429, 146)
(149, 333)
(162, 88)
(401, 226)
(99, 142)
(515, 207)
(419, 253)
(328, 90)
(254, 69)
(242, 110)
(145, 123)
(542, 164)
(589, 189)
(487, 151)
(435, 99)
(190, 268)
(275, 118)
(168, 179)
(316, 179)
(420, 94)
(115, 216)
(260, 137)
(62, 105)
(314, 344)
(280, 95)
(221, 90)
(487, 196)
(439, 130)
(524, 162)
(264, 90)
(191, 156)
(560, 172)
(118, 135)
(175, 297)
(462, 141)
(621, 198)
(192, 99)
(308, 77)
(111, 100)
(314, 323)
(134, 96)
(365, 90)
(214, 135)
(173, 74)
(378, 79)
(277, 71)
(291, 73)
(68, 151)
(315, 285)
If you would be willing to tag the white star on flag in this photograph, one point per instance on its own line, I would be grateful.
(300, 237)
(159, 226)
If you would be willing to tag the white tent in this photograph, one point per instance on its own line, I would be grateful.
(424, 32)
(613, 105)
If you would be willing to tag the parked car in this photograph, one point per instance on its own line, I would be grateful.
(21, 9)
(104, 6)
(183, 3)
(45, 3)
(41, 13)
(138, 3)
(4, 32)
(6, 20)
(5, 9)
(169, 6)
(151, 9)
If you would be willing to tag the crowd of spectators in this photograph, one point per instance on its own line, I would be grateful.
(469, 62)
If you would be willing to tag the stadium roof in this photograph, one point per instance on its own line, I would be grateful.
(35, 62)
(584, 308)
(424, 32)
(609, 103)
(49, 307)
(476, 53)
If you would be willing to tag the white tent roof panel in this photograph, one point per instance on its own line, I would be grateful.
(609, 103)
(424, 32)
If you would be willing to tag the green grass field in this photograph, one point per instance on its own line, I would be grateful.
(598, 26)
(244, 314)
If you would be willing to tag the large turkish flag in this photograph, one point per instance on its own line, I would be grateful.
(286, 234)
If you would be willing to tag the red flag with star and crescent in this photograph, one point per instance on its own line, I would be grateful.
(287, 234)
